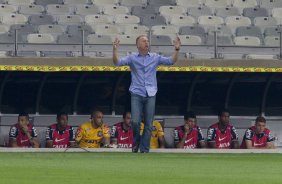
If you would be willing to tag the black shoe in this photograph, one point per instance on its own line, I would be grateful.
(135, 148)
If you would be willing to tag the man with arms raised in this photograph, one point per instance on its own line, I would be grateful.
(143, 88)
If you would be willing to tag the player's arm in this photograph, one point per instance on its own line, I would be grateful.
(234, 138)
(201, 139)
(13, 137)
(49, 139)
(107, 137)
(34, 142)
(114, 135)
(269, 145)
(78, 135)
(181, 143)
(13, 142)
(161, 141)
(211, 138)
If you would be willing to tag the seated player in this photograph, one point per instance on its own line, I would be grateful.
(23, 134)
(222, 135)
(157, 136)
(93, 133)
(121, 134)
(258, 136)
(189, 135)
(60, 134)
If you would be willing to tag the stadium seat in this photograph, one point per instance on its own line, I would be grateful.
(190, 40)
(130, 3)
(72, 2)
(9, 38)
(127, 39)
(221, 31)
(20, 2)
(46, 2)
(41, 19)
(241, 4)
(264, 22)
(191, 3)
(24, 28)
(69, 19)
(271, 31)
(193, 30)
(164, 30)
(272, 41)
(69, 39)
(235, 21)
(140, 11)
(114, 9)
(161, 40)
(31, 9)
(76, 29)
(249, 31)
(106, 29)
(210, 21)
(151, 20)
(160, 2)
(270, 4)
(126, 19)
(57, 29)
(255, 12)
(4, 28)
(40, 38)
(96, 18)
(247, 41)
(55, 9)
(14, 19)
(181, 20)
(260, 56)
(170, 10)
(277, 13)
(104, 2)
(99, 39)
(221, 40)
(86, 9)
(199, 11)
(6, 8)
(131, 29)
(228, 11)
(218, 3)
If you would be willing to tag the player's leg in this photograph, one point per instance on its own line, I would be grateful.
(136, 115)
(149, 112)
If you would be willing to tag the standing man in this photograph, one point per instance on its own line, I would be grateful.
(189, 135)
(93, 133)
(23, 134)
(60, 134)
(258, 136)
(143, 88)
(121, 134)
(223, 135)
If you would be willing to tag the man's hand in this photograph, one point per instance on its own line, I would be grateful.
(186, 129)
(116, 43)
(177, 43)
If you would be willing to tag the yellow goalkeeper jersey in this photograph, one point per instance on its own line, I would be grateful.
(89, 137)
(157, 131)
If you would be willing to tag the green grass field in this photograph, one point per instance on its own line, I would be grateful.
(125, 168)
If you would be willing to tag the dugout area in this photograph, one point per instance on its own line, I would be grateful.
(44, 86)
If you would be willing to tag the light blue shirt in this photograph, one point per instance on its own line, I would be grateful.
(143, 72)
